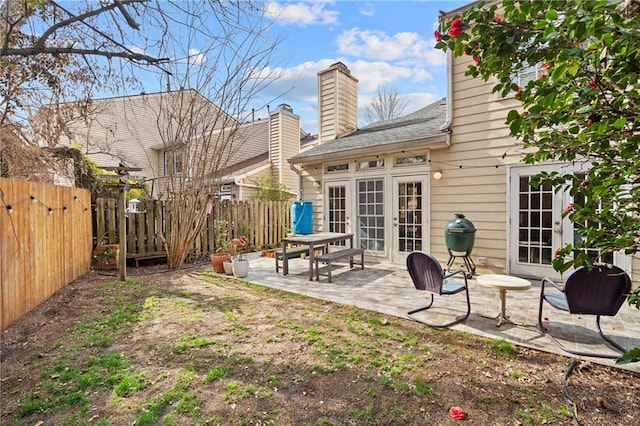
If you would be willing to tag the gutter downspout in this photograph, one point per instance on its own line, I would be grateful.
(446, 127)
(299, 173)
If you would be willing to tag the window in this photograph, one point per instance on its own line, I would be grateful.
(521, 78)
(527, 74)
(414, 159)
(172, 162)
(338, 168)
(372, 164)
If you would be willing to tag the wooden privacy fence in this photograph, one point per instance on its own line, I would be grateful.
(264, 223)
(45, 243)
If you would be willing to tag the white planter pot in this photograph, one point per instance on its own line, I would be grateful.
(228, 267)
(240, 268)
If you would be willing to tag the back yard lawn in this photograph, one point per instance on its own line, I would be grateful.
(193, 348)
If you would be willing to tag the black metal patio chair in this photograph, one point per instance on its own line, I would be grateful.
(598, 291)
(427, 274)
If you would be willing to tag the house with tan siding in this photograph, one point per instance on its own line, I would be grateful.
(396, 184)
(136, 131)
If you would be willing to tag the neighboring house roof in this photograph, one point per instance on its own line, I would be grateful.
(419, 126)
(121, 129)
(254, 141)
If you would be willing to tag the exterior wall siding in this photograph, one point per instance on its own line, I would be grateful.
(481, 144)
(338, 102)
(474, 168)
(290, 146)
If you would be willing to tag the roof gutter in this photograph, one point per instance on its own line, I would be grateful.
(433, 142)
(446, 127)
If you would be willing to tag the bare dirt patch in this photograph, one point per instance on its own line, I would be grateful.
(190, 347)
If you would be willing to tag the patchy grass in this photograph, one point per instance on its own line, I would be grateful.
(202, 349)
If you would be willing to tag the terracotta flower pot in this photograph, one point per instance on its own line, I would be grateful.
(216, 262)
(106, 256)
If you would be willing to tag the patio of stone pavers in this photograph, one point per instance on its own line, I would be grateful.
(386, 287)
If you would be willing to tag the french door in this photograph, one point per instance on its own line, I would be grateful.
(536, 226)
(337, 209)
(370, 214)
(409, 216)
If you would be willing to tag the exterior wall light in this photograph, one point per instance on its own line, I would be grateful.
(437, 175)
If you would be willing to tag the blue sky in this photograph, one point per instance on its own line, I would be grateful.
(382, 42)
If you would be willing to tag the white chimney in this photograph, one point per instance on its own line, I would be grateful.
(337, 102)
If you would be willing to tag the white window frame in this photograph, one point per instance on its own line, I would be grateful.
(172, 162)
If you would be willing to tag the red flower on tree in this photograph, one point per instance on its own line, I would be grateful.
(592, 84)
(476, 60)
(437, 35)
(456, 28)
(570, 208)
(518, 90)
(498, 19)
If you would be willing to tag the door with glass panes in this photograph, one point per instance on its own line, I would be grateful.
(409, 216)
(370, 214)
(336, 195)
(537, 228)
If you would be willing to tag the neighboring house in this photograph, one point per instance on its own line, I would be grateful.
(395, 184)
(143, 132)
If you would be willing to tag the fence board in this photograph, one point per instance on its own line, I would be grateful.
(264, 223)
(45, 243)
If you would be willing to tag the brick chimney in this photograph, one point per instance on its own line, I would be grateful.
(337, 102)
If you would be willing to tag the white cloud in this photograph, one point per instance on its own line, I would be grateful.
(303, 13)
(298, 86)
(196, 57)
(408, 47)
(368, 9)
(136, 49)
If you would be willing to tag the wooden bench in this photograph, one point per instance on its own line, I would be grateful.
(137, 257)
(292, 252)
(329, 257)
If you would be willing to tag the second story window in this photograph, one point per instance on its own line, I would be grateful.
(526, 74)
(172, 162)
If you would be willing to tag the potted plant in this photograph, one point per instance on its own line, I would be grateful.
(222, 247)
(240, 263)
(106, 256)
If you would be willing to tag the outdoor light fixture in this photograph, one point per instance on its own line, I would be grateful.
(437, 175)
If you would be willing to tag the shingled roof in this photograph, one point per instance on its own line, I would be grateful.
(420, 125)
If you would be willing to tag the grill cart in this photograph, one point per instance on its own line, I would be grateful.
(459, 236)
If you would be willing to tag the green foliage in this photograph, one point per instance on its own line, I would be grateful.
(631, 356)
(582, 109)
(268, 190)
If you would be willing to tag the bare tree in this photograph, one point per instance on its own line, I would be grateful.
(203, 126)
(386, 105)
(52, 52)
